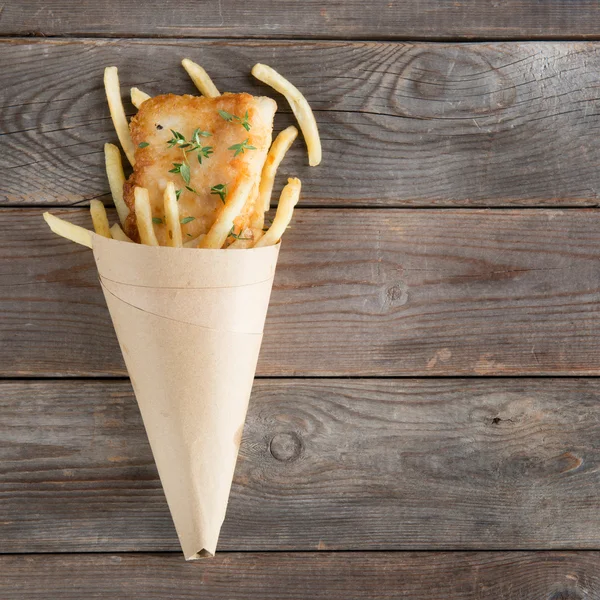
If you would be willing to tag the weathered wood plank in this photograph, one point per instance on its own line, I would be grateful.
(357, 292)
(324, 464)
(425, 19)
(326, 575)
(402, 124)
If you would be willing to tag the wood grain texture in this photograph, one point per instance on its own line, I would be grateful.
(423, 19)
(357, 292)
(324, 464)
(334, 576)
(402, 124)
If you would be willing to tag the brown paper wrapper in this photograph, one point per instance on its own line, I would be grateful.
(190, 323)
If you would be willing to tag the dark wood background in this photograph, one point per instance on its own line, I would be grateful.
(425, 422)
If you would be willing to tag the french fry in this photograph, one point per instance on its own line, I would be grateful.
(138, 97)
(277, 151)
(193, 243)
(172, 217)
(117, 112)
(143, 215)
(299, 105)
(217, 234)
(288, 199)
(99, 218)
(247, 240)
(200, 78)
(118, 234)
(116, 179)
(70, 231)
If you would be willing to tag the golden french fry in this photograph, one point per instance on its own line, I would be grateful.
(193, 243)
(247, 239)
(118, 234)
(200, 78)
(70, 231)
(143, 215)
(277, 151)
(138, 97)
(217, 234)
(288, 199)
(172, 217)
(116, 179)
(299, 106)
(99, 218)
(117, 112)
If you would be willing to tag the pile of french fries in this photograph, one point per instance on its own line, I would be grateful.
(218, 233)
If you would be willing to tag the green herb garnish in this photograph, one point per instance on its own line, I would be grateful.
(194, 145)
(220, 190)
(143, 145)
(241, 147)
(183, 169)
(177, 194)
(243, 121)
(237, 236)
(185, 172)
(178, 139)
(227, 116)
(191, 189)
(187, 220)
(205, 152)
(198, 133)
(157, 220)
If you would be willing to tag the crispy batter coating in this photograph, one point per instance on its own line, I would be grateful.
(152, 126)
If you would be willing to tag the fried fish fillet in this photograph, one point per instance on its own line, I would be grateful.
(233, 135)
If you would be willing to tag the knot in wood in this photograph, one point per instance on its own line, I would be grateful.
(286, 446)
(466, 82)
(397, 294)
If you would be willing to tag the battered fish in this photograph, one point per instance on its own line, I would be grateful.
(228, 137)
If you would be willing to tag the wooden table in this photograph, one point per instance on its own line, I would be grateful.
(425, 422)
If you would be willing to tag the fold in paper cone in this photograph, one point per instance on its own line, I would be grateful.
(189, 323)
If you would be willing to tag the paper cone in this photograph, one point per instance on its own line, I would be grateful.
(189, 323)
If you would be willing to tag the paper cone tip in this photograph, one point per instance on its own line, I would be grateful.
(200, 555)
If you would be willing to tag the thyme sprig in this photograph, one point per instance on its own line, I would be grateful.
(241, 147)
(184, 221)
(183, 169)
(237, 236)
(219, 190)
(186, 146)
(243, 121)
